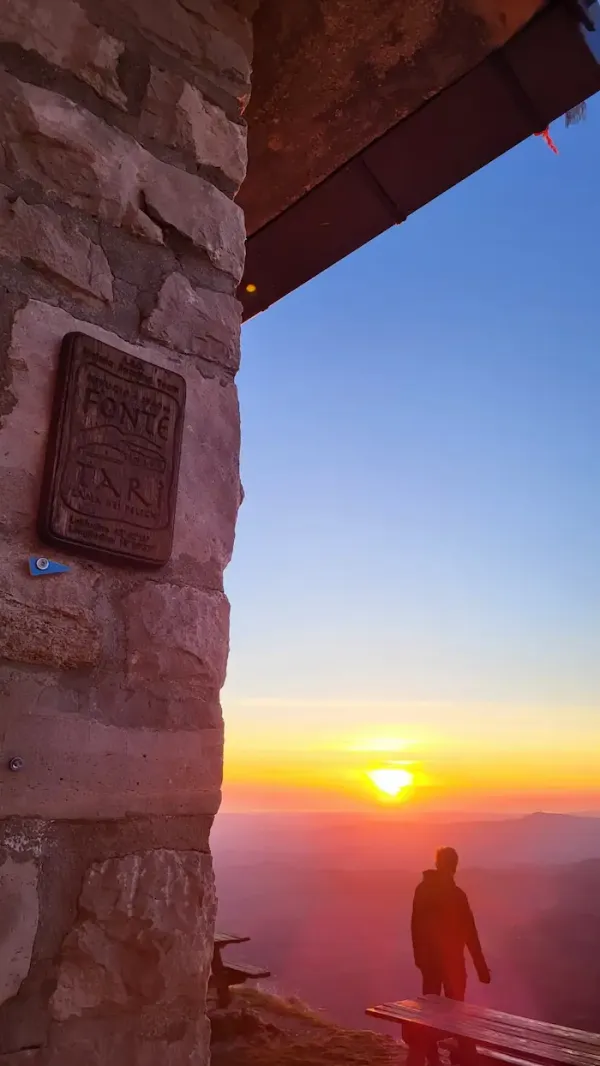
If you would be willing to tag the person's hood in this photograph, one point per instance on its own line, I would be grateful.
(435, 882)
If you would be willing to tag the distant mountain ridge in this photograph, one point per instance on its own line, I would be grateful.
(388, 842)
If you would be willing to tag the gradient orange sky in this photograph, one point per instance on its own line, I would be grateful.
(294, 755)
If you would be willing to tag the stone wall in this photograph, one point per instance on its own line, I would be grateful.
(122, 146)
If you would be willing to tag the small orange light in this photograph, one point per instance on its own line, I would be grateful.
(250, 288)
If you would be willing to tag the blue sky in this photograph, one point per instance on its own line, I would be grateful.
(420, 539)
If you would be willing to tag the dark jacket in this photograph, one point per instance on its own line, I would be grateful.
(443, 925)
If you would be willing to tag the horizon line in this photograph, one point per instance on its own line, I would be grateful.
(388, 812)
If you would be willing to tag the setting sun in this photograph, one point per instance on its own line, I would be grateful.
(391, 781)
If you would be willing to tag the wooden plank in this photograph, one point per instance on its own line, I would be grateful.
(223, 939)
(487, 1055)
(577, 1039)
(535, 1040)
(224, 977)
(545, 1031)
(245, 970)
(456, 1023)
(512, 1021)
(554, 1037)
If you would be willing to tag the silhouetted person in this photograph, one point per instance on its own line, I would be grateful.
(442, 927)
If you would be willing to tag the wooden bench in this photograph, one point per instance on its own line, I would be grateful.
(488, 1035)
(227, 975)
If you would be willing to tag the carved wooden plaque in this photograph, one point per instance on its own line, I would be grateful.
(110, 484)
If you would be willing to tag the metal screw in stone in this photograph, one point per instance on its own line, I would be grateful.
(42, 564)
(16, 764)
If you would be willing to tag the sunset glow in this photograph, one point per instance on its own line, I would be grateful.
(391, 780)
(292, 754)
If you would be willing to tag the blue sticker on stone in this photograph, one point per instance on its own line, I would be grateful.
(39, 566)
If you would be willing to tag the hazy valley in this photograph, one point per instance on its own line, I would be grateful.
(327, 898)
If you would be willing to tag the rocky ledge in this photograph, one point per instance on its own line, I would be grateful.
(260, 1029)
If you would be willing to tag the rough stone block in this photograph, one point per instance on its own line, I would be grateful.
(31, 1057)
(215, 39)
(73, 154)
(199, 212)
(60, 637)
(143, 936)
(75, 767)
(37, 235)
(108, 701)
(60, 31)
(54, 622)
(197, 322)
(179, 636)
(19, 914)
(246, 8)
(156, 1038)
(177, 114)
(92, 166)
(209, 485)
(232, 19)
